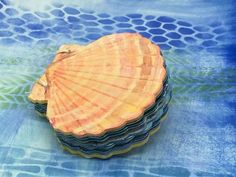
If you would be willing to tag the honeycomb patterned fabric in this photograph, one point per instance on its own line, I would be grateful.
(197, 41)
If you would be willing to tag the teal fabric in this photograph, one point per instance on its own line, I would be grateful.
(197, 39)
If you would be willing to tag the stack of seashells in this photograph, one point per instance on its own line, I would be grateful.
(105, 98)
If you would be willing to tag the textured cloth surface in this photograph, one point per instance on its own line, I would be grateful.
(197, 39)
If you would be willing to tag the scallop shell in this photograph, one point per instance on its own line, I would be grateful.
(102, 87)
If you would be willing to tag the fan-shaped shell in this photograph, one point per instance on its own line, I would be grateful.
(102, 87)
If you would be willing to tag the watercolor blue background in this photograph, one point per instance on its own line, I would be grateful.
(198, 41)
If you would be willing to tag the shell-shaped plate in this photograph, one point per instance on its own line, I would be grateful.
(102, 87)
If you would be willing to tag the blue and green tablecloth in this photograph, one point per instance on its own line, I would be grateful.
(198, 41)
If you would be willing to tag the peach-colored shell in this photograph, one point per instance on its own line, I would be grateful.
(107, 84)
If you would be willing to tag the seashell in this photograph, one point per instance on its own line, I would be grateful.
(102, 86)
